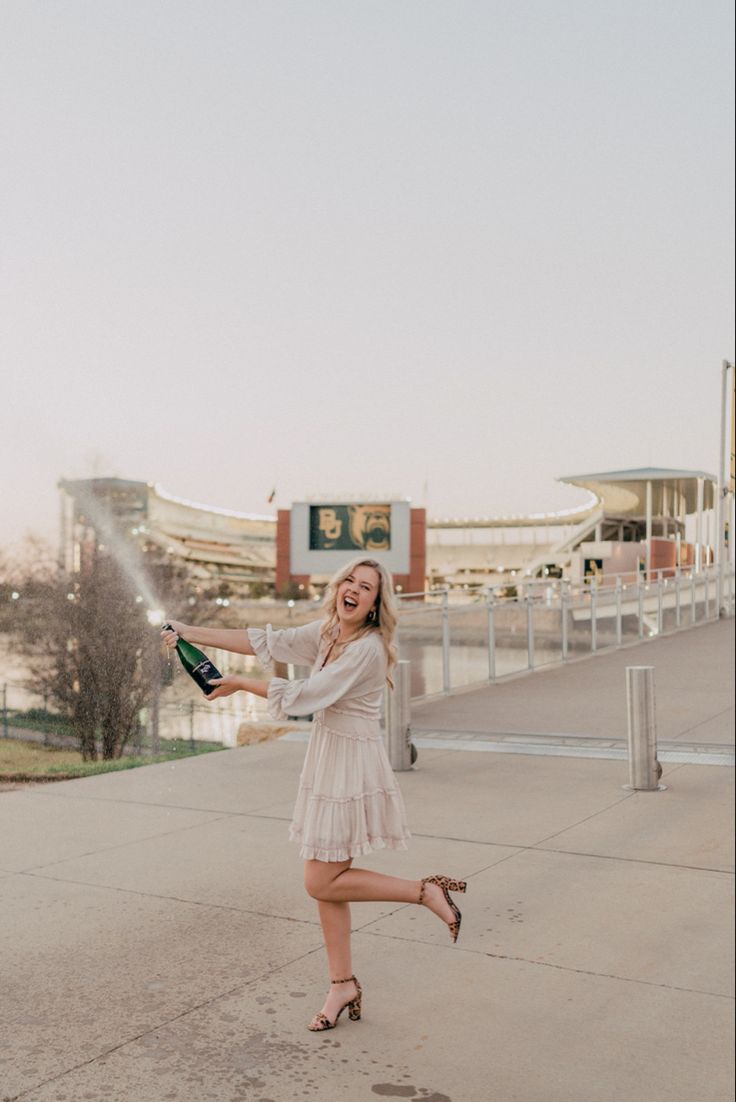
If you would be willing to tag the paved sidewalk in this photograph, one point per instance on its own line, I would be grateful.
(156, 943)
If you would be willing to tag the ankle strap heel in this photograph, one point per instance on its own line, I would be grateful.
(321, 1022)
(447, 885)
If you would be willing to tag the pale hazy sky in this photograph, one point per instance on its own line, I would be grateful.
(448, 250)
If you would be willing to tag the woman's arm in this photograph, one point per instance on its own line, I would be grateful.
(360, 668)
(233, 683)
(232, 639)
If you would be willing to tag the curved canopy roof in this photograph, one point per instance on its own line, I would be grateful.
(624, 493)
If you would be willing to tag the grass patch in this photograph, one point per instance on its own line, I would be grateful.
(33, 760)
(38, 719)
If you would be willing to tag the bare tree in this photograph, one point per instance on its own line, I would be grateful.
(91, 648)
(86, 644)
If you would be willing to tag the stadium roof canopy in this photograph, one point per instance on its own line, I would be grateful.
(624, 493)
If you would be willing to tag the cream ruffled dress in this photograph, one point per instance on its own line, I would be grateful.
(348, 801)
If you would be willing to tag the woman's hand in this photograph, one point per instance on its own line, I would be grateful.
(172, 631)
(226, 686)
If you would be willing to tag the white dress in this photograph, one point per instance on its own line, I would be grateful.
(348, 802)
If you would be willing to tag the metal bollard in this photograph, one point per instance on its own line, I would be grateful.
(398, 713)
(644, 769)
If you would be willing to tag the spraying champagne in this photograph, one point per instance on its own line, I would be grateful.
(196, 663)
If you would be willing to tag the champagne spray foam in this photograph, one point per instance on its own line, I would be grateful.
(121, 549)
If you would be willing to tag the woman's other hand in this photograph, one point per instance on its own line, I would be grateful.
(225, 686)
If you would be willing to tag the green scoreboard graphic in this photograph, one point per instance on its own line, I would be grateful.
(350, 527)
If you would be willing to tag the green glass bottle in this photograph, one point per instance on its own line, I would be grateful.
(196, 663)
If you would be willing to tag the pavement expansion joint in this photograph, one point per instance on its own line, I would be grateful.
(216, 812)
(113, 846)
(571, 746)
(540, 847)
(168, 898)
(607, 975)
(586, 818)
(535, 962)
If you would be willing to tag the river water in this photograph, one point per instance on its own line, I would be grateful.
(184, 712)
(468, 664)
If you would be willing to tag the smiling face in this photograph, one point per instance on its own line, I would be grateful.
(356, 596)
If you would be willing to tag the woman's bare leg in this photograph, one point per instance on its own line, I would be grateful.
(335, 922)
(338, 882)
(335, 884)
(334, 918)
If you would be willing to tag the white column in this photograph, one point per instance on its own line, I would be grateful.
(649, 529)
(699, 529)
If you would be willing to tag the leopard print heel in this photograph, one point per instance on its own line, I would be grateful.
(355, 1008)
(448, 885)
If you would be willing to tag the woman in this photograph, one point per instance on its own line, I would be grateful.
(348, 802)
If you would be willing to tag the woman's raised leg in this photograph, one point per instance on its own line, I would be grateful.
(338, 882)
(335, 884)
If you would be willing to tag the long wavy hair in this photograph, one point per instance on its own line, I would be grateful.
(385, 619)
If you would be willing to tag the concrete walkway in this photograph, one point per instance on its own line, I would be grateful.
(587, 698)
(156, 943)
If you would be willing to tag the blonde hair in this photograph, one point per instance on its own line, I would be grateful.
(386, 611)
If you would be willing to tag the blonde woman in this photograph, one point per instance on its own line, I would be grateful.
(348, 802)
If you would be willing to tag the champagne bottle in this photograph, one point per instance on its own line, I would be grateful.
(196, 663)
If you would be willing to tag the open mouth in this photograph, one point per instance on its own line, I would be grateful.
(349, 603)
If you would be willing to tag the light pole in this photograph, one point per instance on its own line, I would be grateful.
(725, 489)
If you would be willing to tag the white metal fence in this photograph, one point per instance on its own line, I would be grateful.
(453, 640)
(456, 640)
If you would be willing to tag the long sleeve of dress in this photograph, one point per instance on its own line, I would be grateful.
(360, 669)
(298, 645)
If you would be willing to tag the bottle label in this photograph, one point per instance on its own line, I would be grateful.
(202, 673)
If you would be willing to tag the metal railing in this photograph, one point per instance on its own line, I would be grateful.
(454, 640)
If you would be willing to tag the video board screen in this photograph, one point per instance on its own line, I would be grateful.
(350, 527)
(323, 535)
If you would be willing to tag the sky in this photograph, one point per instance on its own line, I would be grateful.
(447, 250)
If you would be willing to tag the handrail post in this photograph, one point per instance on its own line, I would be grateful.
(564, 595)
(660, 610)
(641, 608)
(619, 593)
(530, 632)
(593, 615)
(446, 642)
(707, 590)
(678, 580)
(722, 490)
